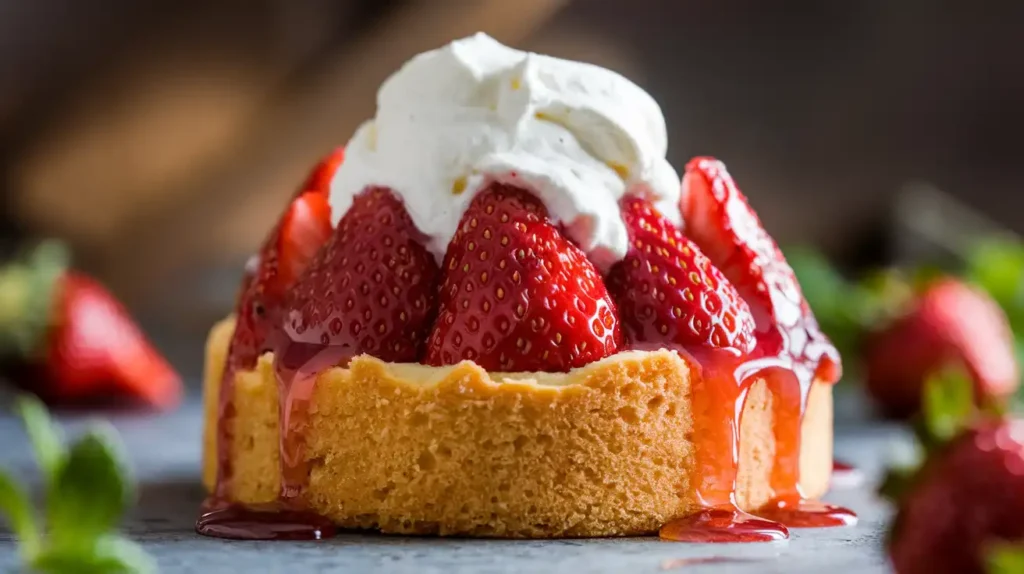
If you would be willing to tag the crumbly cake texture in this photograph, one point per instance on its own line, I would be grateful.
(604, 450)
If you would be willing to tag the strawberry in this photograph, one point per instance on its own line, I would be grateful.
(320, 178)
(286, 252)
(371, 289)
(73, 342)
(517, 295)
(667, 290)
(949, 322)
(968, 497)
(719, 220)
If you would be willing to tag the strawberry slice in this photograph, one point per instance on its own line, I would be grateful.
(69, 341)
(371, 289)
(286, 252)
(320, 178)
(517, 295)
(95, 348)
(667, 290)
(719, 220)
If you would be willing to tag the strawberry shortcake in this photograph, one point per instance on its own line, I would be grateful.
(500, 311)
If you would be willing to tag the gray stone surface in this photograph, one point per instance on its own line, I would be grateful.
(165, 453)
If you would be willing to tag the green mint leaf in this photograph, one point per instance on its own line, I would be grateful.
(1006, 559)
(43, 434)
(948, 404)
(90, 492)
(20, 516)
(106, 555)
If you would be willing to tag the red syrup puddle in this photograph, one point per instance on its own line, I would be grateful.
(726, 524)
(287, 518)
(262, 522)
(845, 475)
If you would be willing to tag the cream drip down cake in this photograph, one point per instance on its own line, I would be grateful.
(499, 311)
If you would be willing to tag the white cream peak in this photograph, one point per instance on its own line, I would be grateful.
(454, 119)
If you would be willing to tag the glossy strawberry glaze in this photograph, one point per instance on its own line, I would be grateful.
(719, 396)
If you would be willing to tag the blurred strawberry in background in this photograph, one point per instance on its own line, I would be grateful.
(896, 327)
(64, 337)
(962, 509)
(948, 323)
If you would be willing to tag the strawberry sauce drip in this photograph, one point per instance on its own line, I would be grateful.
(719, 395)
(296, 365)
(287, 518)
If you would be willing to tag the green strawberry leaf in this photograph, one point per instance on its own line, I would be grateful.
(27, 292)
(948, 405)
(20, 516)
(883, 295)
(43, 434)
(90, 492)
(897, 482)
(1005, 559)
(106, 555)
(997, 266)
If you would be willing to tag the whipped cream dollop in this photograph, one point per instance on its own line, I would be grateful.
(452, 120)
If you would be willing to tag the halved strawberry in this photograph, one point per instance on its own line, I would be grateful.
(67, 339)
(95, 348)
(667, 290)
(517, 295)
(320, 178)
(286, 252)
(371, 289)
(719, 220)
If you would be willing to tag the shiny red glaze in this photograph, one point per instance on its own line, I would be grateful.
(261, 522)
(797, 512)
(722, 525)
(720, 220)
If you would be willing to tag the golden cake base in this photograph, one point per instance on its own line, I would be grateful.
(604, 450)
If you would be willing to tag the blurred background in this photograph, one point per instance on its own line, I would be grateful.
(161, 138)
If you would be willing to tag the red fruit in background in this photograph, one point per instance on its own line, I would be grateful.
(71, 342)
(371, 289)
(950, 324)
(291, 245)
(667, 290)
(320, 178)
(968, 497)
(517, 295)
(94, 348)
(720, 220)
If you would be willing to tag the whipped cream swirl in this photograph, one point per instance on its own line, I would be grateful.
(452, 120)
